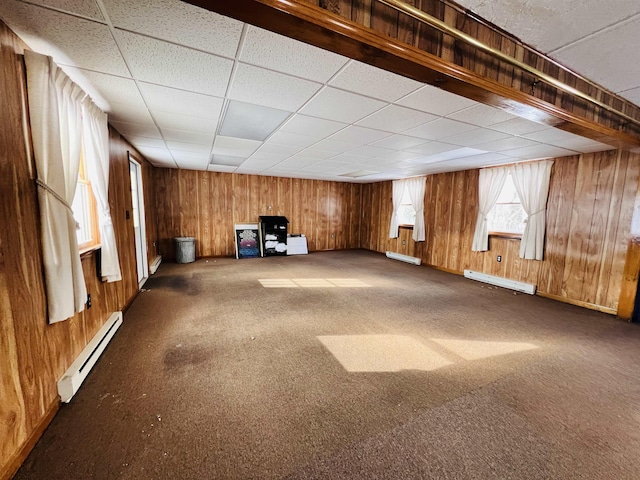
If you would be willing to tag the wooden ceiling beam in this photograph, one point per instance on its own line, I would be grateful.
(375, 34)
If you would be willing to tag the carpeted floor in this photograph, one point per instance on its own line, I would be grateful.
(348, 365)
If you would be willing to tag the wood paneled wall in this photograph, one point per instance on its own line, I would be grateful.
(205, 205)
(33, 354)
(591, 203)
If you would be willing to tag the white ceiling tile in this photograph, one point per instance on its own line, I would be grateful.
(238, 147)
(334, 104)
(394, 118)
(56, 34)
(189, 147)
(271, 89)
(358, 135)
(633, 95)
(312, 126)
(535, 152)
(436, 101)
(273, 148)
(367, 80)
(549, 24)
(188, 123)
(177, 22)
(347, 158)
(476, 137)
(506, 144)
(84, 8)
(399, 156)
(221, 168)
(192, 157)
(431, 148)
(518, 126)
(315, 154)
(276, 52)
(126, 112)
(398, 142)
(553, 135)
(146, 142)
(481, 115)
(324, 167)
(175, 66)
(105, 89)
(298, 161)
(439, 129)
(156, 153)
(194, 165)
(292, 139)
(594, 147)
(167, 99)
(186, 137)
(369, 151)
(600, 55)
(335, 146)
(226, 160)
(136, 130)
(444, 156)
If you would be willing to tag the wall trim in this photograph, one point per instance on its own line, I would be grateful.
(579, 303)
(15, 462)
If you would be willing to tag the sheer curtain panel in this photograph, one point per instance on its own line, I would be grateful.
(56, 128)
(532, 184)
(397, 191)
(416, 187)
(489, 187)
(96, 150)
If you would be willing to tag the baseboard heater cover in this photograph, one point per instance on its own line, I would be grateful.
(70, 382)
(404, 258)
(501, 282)
(155, 264)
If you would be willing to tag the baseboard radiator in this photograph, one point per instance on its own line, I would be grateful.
(501, 282)
(155, 264)
(404, 258)
(70, 382)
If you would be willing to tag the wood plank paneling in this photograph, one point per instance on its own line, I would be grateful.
(324, 211)
(589, 215)
(33, 354)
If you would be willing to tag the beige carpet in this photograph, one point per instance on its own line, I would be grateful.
(348, 365)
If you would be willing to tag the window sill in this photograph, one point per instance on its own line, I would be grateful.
(506, 235)
(406, 226)
(86, 251)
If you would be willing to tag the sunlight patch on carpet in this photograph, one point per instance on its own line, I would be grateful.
(382, 353)
(477, 350)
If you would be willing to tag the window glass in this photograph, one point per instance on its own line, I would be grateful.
(406, 214)
(84, 211)
(508, 215)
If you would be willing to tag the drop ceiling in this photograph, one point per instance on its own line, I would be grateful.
(166, 73)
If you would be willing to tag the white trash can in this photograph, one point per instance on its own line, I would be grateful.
(185, 249)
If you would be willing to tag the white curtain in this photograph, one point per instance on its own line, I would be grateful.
(416, 187)
(489, 188)
(96, 151)
(397, 191)
(56, 126)
(532, 184)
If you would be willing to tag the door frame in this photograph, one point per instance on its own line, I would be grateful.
(143, 226)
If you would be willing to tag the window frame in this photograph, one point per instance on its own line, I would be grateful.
(506, 235)
(405, 196)
(92, 205)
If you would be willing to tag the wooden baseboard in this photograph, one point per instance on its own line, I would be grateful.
(578, 303)
(12, 466)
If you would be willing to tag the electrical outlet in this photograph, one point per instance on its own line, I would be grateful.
(269, 207)
(499, 258)
(404, 242)
(333, 235)
(88, 300)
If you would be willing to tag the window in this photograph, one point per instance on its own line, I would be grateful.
(507, 216)
(406, 214)
(85, 212)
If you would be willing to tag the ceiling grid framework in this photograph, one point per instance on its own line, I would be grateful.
(166, 72)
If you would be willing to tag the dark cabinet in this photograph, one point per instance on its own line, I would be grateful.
(273, 233)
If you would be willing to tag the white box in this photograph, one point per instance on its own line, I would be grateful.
(297, 245)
